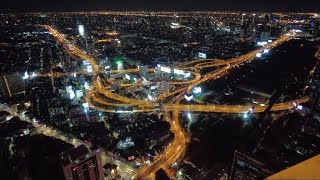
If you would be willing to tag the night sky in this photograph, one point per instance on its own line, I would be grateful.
(160, 5)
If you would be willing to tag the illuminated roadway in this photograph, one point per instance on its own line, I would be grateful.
(231, 108)
(178, 146)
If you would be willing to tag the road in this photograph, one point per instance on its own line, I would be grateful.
(178, 146)
(106, 156)
(231, 108)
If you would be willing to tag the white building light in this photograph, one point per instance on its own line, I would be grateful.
(189, 115)
(178, 72)
(33, 74)
(86, 86)
(197, 90)
(188, 74)
(89, 69)
(72, 95)
(188, 98)
(85, 105)
(202, 55)
(150, 97)
(245, 115)
(26, 75)
(165, 69)
(81, 29)
(128, 77)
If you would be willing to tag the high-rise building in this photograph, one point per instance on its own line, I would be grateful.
(81, 163)
(265, 36)
(11, 85)
(81, 30)
(315, 96)
(245, 167)
(143, 71)
(316, 32)
(84, 39)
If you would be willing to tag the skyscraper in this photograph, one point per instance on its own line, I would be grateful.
(11, 85)
(265, 36)
(245, 167)
(81, 163)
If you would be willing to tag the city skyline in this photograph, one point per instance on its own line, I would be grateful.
(145, 95)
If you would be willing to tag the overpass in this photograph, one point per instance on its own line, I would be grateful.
(173, 153)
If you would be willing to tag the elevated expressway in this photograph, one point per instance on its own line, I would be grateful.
(178, 146)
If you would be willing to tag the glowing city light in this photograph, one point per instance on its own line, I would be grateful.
(265, 51)
(154, 87)
(81, 29)
(202, 55)
(72, 95)
(120, 65)
(86, 86)
(89, 69)
(258, 55)
(188, 74)
(127, 77)
(150, 97)
(197, 90)
(178, 72)
(262, 43)
(144, 80)
(245, 115)
(165, 69)
(26, 75)
(188, 98)
(33, 74)
(189, 115)
(295, 104)
(85, 105)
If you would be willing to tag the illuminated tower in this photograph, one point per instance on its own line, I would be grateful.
(245, 167)
(242, 18)
(83, 35)
(253, 18)
(119, 63)
(11, 85)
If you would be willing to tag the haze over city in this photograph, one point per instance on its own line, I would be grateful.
(106, 89)
(162, 5)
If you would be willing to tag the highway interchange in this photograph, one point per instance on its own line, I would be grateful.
(172, 107)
